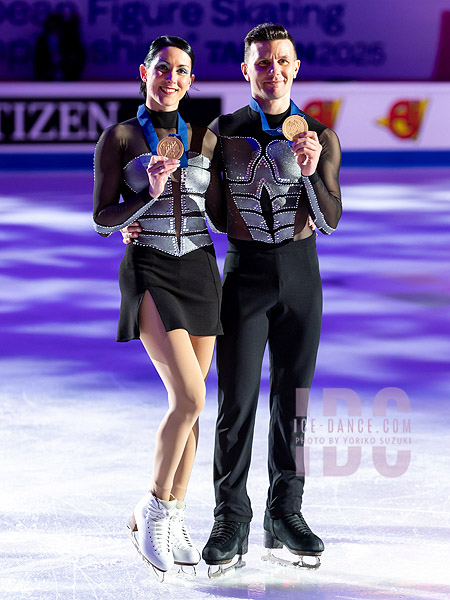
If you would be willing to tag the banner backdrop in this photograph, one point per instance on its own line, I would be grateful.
(69, 117)
(336, 39)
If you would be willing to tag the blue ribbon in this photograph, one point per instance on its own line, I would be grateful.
(150, 134)
(265, 125)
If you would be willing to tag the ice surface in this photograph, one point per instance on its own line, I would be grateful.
(78, 411)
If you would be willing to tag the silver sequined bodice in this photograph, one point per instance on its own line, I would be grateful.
(249, 170)
(158, 220)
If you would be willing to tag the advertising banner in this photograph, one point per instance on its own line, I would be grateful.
(366, 116)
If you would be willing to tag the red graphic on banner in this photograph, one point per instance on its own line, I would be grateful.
(405, 118)
(324, 111)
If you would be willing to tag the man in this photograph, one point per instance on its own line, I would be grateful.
(271, 292)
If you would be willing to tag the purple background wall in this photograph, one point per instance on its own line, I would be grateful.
(337, 39)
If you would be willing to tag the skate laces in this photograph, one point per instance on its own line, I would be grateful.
(180, 536)
(298, 523)
(222, 531)
(158, 527)
(157, 513)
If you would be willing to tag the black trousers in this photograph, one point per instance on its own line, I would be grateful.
(270, 294)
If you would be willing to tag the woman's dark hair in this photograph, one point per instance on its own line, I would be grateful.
(163, 42)
(267, 32)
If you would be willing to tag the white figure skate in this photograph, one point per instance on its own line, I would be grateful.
(150, 531)
(183, 549)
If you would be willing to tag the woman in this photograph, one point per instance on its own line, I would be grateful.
(168, 278)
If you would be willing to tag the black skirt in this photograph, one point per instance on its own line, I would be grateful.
(186, 290)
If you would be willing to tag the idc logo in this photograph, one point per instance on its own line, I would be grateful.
(405, 118)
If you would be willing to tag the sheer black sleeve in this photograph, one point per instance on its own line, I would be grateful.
(322, 187)
(109, 213)
(216, 203)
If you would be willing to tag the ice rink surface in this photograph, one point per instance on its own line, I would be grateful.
(79, 411)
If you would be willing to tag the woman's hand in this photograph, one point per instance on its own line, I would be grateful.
(131, 232)
(307, 149)
(158, 171)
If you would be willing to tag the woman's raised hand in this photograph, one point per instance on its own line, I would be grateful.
(158, 171)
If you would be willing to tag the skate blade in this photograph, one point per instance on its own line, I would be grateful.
(299, 564)
(156, 572)
(221, 571)
(189, 575)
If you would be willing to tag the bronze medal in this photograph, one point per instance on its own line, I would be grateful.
(293, 126)
(171, 147)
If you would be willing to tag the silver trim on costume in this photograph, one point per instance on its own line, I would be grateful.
(284, 218)
(190, 225)
(157, 216)
(249, 170)
(108, 230)
(169, 243)
(157, 225)
(211, 225)
(319, 219)
(134, 176)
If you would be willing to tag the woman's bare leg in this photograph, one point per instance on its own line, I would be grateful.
(203, 348)
(173, 356)
(183, 472)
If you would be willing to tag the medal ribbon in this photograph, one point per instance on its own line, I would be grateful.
(150, 134)
(265, 125)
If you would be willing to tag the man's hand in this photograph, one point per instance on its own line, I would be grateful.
(307, 149)
(131, 232)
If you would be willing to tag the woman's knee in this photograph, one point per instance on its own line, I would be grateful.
(190, 399)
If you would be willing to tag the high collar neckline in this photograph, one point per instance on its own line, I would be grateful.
(163, 119)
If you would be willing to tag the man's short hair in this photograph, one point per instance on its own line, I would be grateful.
(267, 32)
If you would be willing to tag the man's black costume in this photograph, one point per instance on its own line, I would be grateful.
(272, 293)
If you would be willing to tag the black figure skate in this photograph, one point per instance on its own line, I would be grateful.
(227, 539)
(293, 532)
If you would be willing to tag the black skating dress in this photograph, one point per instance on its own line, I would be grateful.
(173, 258)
